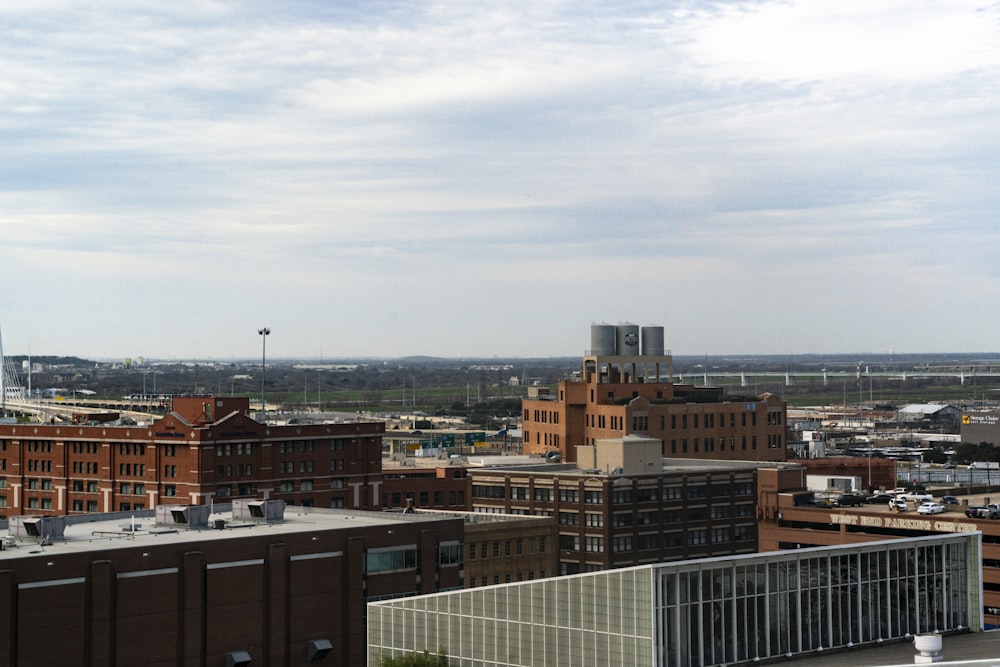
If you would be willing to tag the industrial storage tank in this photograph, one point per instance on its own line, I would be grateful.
(652, 341)
(627, 340)
(602, 340)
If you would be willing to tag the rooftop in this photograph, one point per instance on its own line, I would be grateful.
(125, 530)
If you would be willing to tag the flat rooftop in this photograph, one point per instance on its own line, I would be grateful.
(669, 465)
(975, 649)
(124, 530)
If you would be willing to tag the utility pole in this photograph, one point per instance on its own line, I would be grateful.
(264, 333)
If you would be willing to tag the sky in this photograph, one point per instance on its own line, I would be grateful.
(456, 179)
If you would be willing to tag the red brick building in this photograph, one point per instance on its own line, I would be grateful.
(207, 449)
(613, 398)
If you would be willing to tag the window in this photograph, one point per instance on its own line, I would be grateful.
(287, 487)
(569, 542)
(306, 485)
(649, 541)
(391, 559)
(450, 554)
(595, 544)
(623, 543)
(91, 487)
(168, 490)
(594, 520)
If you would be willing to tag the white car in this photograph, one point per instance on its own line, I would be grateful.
(898, 504)
(917, 496)
(930, 508)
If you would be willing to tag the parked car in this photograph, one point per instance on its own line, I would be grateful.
(949, 466)
(898, 504)
(991, 511)
(848, 500)
(949, 500)
(880, 498)
(972, 511)
(916, 496)
(930, 508)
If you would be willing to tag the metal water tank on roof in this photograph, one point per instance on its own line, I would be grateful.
(652, 341)
(602, 340)
(627, 340)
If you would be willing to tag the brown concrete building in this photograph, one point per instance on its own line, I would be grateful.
(622, 506)
(207, 449)
(620, 394)
(124, 591)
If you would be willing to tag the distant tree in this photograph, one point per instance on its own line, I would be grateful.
(424, 659)
(935, 456)
(968, 452)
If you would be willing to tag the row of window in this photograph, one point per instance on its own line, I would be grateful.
(507, 578)
(239, 449)
(455, 498)
(287, 467)
(304, 446)
(618, 497)
(518, 547)
(542, 416)
(241, 469)
(667, 540)
(39, 465)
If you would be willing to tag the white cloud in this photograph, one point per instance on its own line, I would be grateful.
(692, 163)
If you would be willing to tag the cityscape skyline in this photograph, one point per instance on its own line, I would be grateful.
(451, 180)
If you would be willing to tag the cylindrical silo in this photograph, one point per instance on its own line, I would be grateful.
(602, 340)
(652, 341)
(627, 340)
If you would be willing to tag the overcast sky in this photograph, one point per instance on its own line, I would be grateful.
(476, 179)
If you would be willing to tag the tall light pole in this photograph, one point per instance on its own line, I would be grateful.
(264, 333)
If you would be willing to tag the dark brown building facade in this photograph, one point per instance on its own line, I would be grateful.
(272, 593)
(618, 519)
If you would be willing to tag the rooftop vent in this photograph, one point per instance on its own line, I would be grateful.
(191, 516)
(259, 510)
(42, 527)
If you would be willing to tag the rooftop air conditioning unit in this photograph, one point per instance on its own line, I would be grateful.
(190, 516)
(259, 510)
(37, 526)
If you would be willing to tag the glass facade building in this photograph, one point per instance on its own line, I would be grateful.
(716, 611)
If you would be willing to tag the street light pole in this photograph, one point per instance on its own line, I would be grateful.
(264, 333)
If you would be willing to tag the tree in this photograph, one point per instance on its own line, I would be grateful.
(424, 659)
